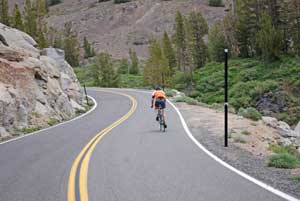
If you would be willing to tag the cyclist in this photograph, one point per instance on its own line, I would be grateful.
(159, 98)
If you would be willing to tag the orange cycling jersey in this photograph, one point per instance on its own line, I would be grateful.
(159, 95)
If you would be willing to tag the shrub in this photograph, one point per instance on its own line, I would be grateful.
(187, 100)
(283, 160)
(53, 121)
(170, 93)
(216, 3)
(278, 149)
(250, 113)
(245, 132)
(193, 94)
(239, 139)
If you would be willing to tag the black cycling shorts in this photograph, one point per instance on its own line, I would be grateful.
(160, 103)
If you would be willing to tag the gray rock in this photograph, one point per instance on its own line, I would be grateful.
(285, 130)
(270, 121)
(271, 103)
(3, 133)
(22, 121)
(295, 142)
(19, 40)
(284, 142)
(297, 129)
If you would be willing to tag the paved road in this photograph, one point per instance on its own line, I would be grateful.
(132, 162)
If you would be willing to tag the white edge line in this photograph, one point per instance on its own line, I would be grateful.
(217, 159)
(48, 128)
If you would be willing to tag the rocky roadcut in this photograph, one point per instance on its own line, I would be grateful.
(37, 87)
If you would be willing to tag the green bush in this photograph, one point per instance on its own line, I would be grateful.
(245, 132)
(250, 113)
(239, 139)
(216, 3)
(53, 121)
(193, 94)
(187, 100)
(283, 160)
(179, 81)
(278, 149)
(170, 92)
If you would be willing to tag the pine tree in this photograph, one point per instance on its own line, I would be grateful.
(157, 69)
(41, 9)
(294, 26)
(269, 39)
(42, 36)
(169, 52)
(17, 20)
(217, 42)
(71, 46)
(180, 42)
(134, 68)
(4, 9)
(88, 49)
(123, 67)
(284, 24)
(197, 28)
(30, 20)
(246, 26)
(108, 77)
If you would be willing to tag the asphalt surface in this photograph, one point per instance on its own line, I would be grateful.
(133, 162)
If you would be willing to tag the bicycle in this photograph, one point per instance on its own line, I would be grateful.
(161, 120)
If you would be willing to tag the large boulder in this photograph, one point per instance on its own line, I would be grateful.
(18, 40)
(34, 88)
(270, 121)
(285, 130)
(282, 127)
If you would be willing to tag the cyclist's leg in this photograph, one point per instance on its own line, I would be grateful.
(156, 106)
(164, 112)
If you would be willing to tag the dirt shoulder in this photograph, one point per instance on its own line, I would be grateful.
(248, 144)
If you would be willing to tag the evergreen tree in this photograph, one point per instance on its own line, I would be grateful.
(108, 77)
(217, 42)
(197, 28)
(88, 49)
(17, 20)
(41, 9)
(284, 24)
(134, 68)
(294, 25)
(42, 36)
(169, 52)
(269, 39)
(157, 69)
(180, 42)
(246, 26)
(71, 46)
(4, 12)
(30, 20)
(124, 67)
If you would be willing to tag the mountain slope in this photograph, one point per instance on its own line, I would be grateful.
(116, 27)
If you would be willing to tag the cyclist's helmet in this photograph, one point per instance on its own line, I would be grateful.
(157, 88)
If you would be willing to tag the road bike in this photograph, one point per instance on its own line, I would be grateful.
(161, 120)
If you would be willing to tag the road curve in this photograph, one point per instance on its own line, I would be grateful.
(133, 161)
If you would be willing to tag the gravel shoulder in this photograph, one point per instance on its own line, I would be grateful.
(250, 155)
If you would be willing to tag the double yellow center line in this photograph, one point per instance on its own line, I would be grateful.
(77, 188)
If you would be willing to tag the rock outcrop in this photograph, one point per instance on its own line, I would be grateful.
(35, 86)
